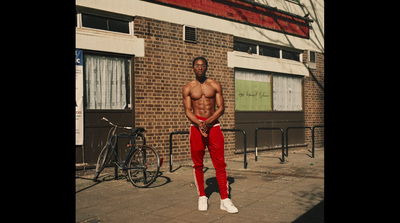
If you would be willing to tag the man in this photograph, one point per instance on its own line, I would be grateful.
(201, 95)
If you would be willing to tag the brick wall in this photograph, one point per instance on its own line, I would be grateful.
(165, 69)
(314, 100)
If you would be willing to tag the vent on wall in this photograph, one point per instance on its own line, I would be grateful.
(189, 34)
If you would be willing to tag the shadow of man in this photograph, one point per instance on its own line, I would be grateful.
(212, 186)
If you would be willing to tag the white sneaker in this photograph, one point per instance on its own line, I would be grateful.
(228, 206)
(203, 203)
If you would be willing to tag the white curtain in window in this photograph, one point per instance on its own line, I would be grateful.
(105, 82)
(287, 93)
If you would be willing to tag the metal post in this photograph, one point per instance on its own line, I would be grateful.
(116, 158)
(170, 146)
(282, 139)
(245, 148)
(170, 152)
(287, 136)
(287, 142)
(255, 142)
(312, 138)
(283, 145)
(313, 135)
(244, 142)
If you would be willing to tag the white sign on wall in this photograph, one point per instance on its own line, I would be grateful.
(78, 97)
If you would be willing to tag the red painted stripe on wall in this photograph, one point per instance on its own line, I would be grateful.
(247, 13)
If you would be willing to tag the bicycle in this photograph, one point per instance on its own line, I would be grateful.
(142, 164)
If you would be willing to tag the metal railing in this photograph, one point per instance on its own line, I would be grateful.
(256, 140)
(287, 136)
(282, 138)
(244, 143)
(312, 136)
(287, 139)
(170, 146)
(224, 130)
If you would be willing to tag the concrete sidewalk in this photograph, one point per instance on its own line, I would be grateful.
(266, 191)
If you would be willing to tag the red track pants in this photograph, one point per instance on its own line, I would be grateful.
(215, 143)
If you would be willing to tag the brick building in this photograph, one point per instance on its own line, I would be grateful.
(267, 55)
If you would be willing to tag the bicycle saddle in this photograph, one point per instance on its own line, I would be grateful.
(138, 130)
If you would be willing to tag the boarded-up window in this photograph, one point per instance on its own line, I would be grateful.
(287, 93)
(252, 91)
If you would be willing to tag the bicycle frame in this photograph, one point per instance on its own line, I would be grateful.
(132, 149)
(115, 146)
(142, 163)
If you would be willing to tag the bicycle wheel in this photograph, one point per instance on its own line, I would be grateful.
(103, 160)
(144, 166)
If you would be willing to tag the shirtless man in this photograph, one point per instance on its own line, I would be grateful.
(201, 95)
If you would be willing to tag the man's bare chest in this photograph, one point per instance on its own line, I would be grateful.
(202, 91)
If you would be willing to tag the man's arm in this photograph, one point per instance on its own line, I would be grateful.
(219, 100)
(187, 103)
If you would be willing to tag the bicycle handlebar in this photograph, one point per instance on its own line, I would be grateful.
(105, 119)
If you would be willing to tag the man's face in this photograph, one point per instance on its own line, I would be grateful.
(200, 68)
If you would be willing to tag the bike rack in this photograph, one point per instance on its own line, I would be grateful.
(224, 130)
(312, 135)
(170, 146)
(282, 137)
(299, 127)
(287, 139)
(256, 137)
(244, 143)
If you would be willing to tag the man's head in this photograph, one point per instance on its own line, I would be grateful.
(202, 58)
(200, 65)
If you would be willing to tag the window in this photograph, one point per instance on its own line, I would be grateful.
(95, 19)
(269, 51)
(252, 91)
(104, 23)
(255, 92)
(245, 47)
(312, 57)
(107, 82)
(287, 93)
(312, 60)
(189, 34)
(263, 50)
(290, 55)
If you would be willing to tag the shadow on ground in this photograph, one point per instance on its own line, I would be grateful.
(212, 186)
(315, 214)
(159, 181)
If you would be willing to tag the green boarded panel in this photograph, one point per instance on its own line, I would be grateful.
(252, 95)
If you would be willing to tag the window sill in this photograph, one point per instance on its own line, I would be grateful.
(107, 41)
(265, 63)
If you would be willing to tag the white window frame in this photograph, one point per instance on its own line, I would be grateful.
(274, 46)
(106, 15)
(79, 20)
